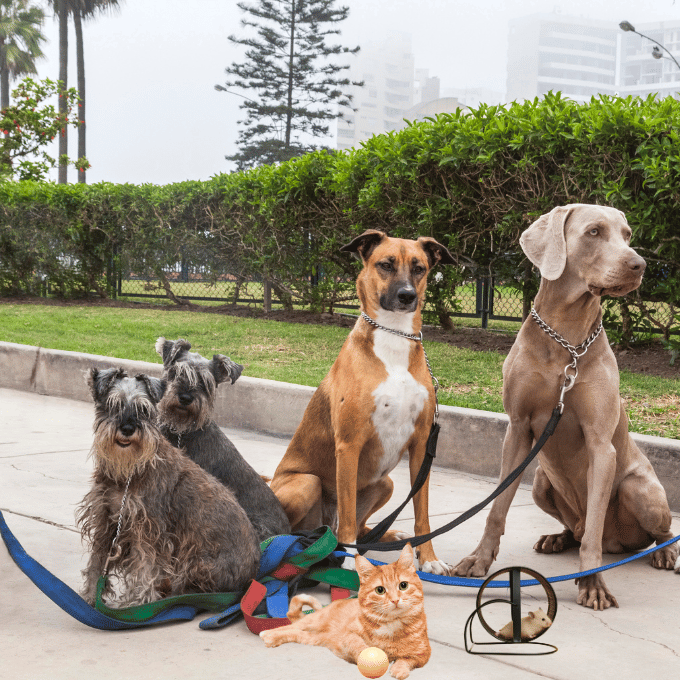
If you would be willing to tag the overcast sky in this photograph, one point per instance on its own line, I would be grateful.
(154, 116)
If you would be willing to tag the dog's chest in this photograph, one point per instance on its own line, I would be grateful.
(398, 400)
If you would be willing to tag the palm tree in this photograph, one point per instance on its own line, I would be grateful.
(20, 38)
(79, 9)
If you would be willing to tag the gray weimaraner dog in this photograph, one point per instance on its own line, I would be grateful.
(592, 477)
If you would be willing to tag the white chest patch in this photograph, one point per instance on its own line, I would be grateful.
(400, 398)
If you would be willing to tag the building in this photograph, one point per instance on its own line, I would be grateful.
(582, 58)
(387, 71)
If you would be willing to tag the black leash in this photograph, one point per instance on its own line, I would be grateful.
(418, 540)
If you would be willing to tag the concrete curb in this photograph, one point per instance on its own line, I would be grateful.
(469, 441)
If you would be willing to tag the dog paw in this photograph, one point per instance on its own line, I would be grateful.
(667, 558)
(677, 565)
(438, 567)
(555, 543)
(592, 592)
(348, 562)
(472, 566)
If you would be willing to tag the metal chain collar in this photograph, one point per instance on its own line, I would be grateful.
(115, 551)
(576, 352)
(415, 338)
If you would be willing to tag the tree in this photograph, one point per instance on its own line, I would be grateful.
(28, 125)
(20, 38)
(296, 86)
(79, 10)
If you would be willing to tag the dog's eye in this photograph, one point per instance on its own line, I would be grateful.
(387, 266)
(418, 269)
(380, 590)
(594, 232)
(403, 585)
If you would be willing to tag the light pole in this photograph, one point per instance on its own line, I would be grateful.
(656, 52)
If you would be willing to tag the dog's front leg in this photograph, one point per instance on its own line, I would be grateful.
(592, 591)
(426, 556)
(516, 447)
(346, 468)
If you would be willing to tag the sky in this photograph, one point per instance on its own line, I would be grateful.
(153, 115)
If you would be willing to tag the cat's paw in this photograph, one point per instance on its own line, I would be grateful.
(268, 638)
(400, 669)
(438, 567)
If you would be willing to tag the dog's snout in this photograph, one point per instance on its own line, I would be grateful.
(406, 295)
(128, 428)
(185, 398)
(636, 263)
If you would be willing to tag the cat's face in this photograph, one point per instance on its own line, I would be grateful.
(391, 590)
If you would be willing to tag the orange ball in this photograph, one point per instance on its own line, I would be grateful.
(372, 662)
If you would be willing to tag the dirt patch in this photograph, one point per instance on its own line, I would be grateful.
(652, 359)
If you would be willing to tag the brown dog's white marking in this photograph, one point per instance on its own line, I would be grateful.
(592, 476)
(376, 403)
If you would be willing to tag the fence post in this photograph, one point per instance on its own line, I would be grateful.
(267, 297)
(482, 289)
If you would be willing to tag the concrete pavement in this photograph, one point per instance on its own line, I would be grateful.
(44, 473)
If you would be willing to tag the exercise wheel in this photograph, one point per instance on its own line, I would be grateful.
(514, 584)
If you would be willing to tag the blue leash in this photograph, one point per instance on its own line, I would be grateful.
(477, 583)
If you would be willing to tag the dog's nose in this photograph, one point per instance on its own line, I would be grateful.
(406, 295)
(128, 428)
(636, 263)
(185, 398)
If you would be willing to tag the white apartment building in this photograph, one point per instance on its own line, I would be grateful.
(387, 71)
(581, 58)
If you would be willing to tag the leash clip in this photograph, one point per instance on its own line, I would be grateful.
(569, 380)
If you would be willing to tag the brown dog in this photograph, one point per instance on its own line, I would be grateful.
(376, 402)
(592, 476)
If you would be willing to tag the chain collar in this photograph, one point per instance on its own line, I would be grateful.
(115, 550)
(415, 338)
(576, 352)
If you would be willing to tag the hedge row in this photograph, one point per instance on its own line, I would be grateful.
(474, 181)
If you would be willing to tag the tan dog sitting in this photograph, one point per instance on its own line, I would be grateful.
(376, 403)
(592, 477)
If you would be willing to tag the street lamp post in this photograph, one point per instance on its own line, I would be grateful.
(656, 52)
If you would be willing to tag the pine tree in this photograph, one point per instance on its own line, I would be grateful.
(296, 85)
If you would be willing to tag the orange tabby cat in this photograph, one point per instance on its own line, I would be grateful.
(388, 613)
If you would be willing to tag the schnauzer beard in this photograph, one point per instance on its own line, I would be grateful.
(195, 415)
(119, 462)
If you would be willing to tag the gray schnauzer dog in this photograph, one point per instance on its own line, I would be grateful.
(153, 519)
(185, 413)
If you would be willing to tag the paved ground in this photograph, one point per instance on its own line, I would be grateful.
(44, 473)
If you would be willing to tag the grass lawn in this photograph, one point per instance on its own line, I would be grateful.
(296, 353)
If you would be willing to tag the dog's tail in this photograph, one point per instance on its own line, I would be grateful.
(295, 611)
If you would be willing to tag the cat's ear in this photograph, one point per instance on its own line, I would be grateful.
(406, 558)
(363, 566)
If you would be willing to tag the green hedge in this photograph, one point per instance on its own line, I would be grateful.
(472, 180)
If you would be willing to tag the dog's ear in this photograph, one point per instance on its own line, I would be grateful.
(544, 242)
(155, 387)
(435, 251)
(100, 381)
(364, 245)
(223, 368)
(171, 350)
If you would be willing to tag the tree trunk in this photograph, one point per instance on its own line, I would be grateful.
(63, 77)
(291, 67)
(80, 60)
(4, 80)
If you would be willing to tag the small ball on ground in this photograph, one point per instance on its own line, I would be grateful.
(372, 662)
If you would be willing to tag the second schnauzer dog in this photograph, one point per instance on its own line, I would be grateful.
(186, 417)
(154, 519)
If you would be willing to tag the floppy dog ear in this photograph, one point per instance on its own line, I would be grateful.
(544, 242)
(364, 245)
(170, 350)
(223, 368)
(154, 386)
(100, 381)
(435, 251)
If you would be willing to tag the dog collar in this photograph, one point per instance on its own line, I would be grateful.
(416, 338)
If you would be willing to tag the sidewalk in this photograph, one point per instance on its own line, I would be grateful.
(44, 473)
